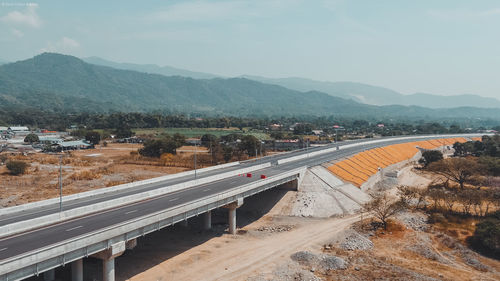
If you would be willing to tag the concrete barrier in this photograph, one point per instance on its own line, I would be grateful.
(30, 224)
(101, 191)
(117, 231)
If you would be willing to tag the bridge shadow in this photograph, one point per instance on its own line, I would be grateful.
(159, 246)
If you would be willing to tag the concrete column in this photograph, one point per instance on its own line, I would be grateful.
(49, 275)
(77, 270)
(232, 214)
(108, 269)
(108, 260)
(207, 220)
(232, 220)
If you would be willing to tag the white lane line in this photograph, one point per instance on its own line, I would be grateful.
(130, 212)
(173, 199)
(206, 189)
(73, 228)
(3, 249)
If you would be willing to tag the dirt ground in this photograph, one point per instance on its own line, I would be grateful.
(82, 170)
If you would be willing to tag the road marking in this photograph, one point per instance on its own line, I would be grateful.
(173, 199)
(130, 212)
(3, 249)
(206, 189)
(73, 228)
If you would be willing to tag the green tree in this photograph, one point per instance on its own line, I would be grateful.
(487, 235)
(156, 147)
(31, 138)
(430, 156)
(93, 137)
(123, 132)
(17, 167)
(227, 153)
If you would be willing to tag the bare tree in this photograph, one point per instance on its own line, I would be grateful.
(450, 199)
(407, 194)
(384, 207)
(459, 170)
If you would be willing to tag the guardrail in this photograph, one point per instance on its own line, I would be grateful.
(102, 239)
(26, 225)
(101, 191)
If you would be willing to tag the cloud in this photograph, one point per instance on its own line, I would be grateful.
(63, 45)
(16, 32)
(463, 14)
(28, 17)
(219, 10)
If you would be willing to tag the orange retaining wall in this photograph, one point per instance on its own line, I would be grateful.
(359, 168)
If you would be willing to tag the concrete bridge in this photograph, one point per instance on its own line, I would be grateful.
(38, 237)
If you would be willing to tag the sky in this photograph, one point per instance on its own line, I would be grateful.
(443, 47)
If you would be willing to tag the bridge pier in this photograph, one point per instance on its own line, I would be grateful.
(77, 270)
(232, 214)
(49, 275)
(207, 220)
(108, 260)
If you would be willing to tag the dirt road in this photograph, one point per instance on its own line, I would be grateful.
(238, 257)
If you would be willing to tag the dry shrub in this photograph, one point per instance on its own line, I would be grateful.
(105, 170)
(395, 226)
(113, 183)
(48, 160)
(85, 175)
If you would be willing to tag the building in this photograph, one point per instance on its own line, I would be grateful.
(317, 132)
(18, 130)
(71, 145)
(193, 141)
(49, 140)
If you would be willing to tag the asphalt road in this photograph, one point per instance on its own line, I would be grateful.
(28, 241)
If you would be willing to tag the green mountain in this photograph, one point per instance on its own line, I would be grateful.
(374, 95)
(55, 82)
(150, 68)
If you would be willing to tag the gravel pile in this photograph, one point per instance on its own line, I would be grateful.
(332, 263)
(426, 252)
(293, 272)
(305, 258)
(322, 263)
(415, 221)
(355, 241)
(278, 228)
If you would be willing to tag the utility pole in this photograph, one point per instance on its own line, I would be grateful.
(60, 183)
(195, 146)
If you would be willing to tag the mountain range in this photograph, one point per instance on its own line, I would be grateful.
(150, 68)
(65, 83)
(359, 92)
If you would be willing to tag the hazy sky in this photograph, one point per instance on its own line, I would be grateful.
(443, 47)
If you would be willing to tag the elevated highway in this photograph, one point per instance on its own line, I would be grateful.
(105, 223)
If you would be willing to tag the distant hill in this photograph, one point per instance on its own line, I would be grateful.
(378, 95)
(3, 62)
(55, 82)
(150, 68)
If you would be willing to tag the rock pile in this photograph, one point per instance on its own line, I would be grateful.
(277, 228)
(355, 241)
(415, 221)
(322, 263)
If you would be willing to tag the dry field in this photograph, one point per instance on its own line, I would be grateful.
(85, 170)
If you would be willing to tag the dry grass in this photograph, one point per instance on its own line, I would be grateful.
(394, 257)
(82, 171)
